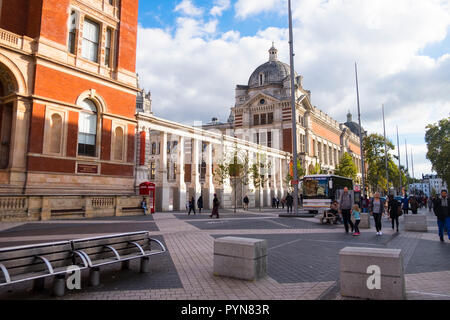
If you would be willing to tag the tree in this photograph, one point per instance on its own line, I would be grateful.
(290, 175)
(437, 138)
(346, 167)
(257, 174)
(317, 169)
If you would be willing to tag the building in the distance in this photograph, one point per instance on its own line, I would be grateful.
(262, 114)
(431, 184)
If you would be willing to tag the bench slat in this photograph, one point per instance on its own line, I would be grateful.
(33, 251)
(109, 241)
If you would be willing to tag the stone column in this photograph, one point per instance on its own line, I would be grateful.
(195, 180)
(181, 201)
(19, 141)
(281, 177)
(162, 189)
(209, 183)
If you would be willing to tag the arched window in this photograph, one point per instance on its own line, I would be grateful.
(118, 143)
(87, 129)
(55, 133)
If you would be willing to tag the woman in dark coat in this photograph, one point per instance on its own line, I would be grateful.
(393, 210)
(414, 205)
(200, 204)
(216, 204)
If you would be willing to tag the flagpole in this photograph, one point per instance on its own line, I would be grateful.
(407, 165)
(360, 135)
(399, 164)
(293, 107)
(385, 153)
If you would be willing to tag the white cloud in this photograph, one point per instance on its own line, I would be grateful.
(192, 71)
(219, 7)
(246, 8)
(188, 8)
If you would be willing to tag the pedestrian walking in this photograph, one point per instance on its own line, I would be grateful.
(191, 206)
(278, 202)
(394, 210)
(216, 204)
(200, 204)
(376, 210)
(144, 205)
(283, 202)
(246, 201)
(274, 202)
(405, 204)
(289, 202)
(365, 204)
(414, 205)
(346, 202)
(441, 210)
(356, 213)
(430, 203)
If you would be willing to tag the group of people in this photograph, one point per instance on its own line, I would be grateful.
(377, 207)
(190, 205)
(287, 201)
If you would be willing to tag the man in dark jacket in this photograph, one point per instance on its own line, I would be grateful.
(199, 204)
(441, 210)
(289, 202)
(346, 202)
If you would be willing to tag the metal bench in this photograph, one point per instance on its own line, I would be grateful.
(39, 261)
(105, 250)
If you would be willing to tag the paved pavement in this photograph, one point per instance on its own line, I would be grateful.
(302, 257)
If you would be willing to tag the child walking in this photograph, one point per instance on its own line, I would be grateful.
(356, 212)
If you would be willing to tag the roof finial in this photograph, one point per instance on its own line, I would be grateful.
(273, 53)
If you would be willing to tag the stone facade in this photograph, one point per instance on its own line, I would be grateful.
(262, 114)
(67, 96)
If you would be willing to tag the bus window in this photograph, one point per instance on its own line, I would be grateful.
(316, 188)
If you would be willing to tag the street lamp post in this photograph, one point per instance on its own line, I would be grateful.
(293, 107)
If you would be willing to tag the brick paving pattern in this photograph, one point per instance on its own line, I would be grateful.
(302, 257)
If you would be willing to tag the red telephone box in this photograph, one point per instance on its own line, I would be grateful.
(148, 189)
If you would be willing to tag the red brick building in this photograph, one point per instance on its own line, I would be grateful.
(67, 96)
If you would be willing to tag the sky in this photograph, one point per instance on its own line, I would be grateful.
(192, 53)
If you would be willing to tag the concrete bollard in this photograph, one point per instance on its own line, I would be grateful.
(59, 285)
(240, 258)
(145, 265)
(415, 222)
(365, 221)
(372, 273)
(94, 276)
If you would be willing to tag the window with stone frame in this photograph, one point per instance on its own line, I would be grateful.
(91, 37)
(152, 170)
(263, 118)
(108, 44)
(256, 119)
(87, 129)
(72, 32)
(269, 139)
(270, 118)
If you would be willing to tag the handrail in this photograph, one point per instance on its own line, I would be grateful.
(6, 273)
(159, 243)
(47, 263)
(139, 247)
(115, 252)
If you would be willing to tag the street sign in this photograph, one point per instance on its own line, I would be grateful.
(357, 188)
(294, 182)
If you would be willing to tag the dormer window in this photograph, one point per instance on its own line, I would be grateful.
(261, 79)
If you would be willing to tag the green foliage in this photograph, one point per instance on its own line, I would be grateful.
(317, 169)
(437, 138)
(376, 160)
(346, 167)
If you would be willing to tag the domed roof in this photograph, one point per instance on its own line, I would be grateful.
(273, 71)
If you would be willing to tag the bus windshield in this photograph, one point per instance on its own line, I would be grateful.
(316, 188)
